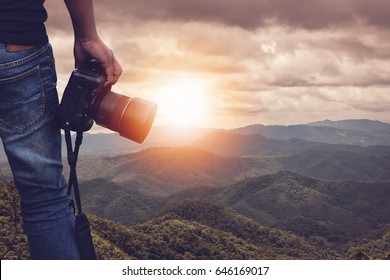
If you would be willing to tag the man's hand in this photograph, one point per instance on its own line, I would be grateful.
(85, 49)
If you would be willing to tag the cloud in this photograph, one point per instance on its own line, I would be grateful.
(373, 107)
(376, 12)
(252, 14)
(276, 61)
(248, 14)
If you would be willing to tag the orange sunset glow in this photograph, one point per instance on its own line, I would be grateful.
(228, 63)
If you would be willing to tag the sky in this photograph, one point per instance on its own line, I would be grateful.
(231, 63)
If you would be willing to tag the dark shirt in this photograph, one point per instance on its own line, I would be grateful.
(22, 22)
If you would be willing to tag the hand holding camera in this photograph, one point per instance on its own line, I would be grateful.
(86, 100)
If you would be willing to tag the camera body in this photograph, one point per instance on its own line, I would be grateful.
(85, 83)
(86, 100)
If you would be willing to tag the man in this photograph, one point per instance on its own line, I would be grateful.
(28, 102)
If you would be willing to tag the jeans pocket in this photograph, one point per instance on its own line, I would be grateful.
(22, 101)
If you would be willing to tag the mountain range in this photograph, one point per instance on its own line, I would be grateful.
(349, 132)
(344, 206)
(361, 133)
(312, 191)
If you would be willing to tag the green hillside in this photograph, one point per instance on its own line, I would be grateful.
(114, 201)
(336, 210)
(192, 230)
(277, 243)
(145, 182)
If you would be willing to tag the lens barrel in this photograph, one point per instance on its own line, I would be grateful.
(130, 117)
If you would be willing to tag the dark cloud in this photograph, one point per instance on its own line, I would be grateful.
(247, 14)
(311, 14)
(253, 110)
(373, 107)
(252, 14)
(375, 12)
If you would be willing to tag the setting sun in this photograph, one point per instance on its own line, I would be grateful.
(183, 100)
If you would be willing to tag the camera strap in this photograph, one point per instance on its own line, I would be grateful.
(83, 230)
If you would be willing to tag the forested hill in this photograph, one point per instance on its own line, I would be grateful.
(191, 230)
(197, 230)
(337, 211)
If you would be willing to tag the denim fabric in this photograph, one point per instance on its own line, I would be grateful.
(32, 142)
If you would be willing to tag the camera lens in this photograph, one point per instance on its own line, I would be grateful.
(130, 117)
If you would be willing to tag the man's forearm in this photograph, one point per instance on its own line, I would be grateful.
(83, 19)
(87, 43)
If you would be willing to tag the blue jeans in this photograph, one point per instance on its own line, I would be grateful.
(32, 142)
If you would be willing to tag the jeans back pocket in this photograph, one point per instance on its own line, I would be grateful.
(22, 101)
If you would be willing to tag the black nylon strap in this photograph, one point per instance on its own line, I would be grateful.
(82, 227)
(72, 161)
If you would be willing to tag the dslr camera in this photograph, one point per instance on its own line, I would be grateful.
(85, 100)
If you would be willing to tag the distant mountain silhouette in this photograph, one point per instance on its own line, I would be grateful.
(357, 125)
(110, 144)
(349, 132)
(231, 144)
(352, 132)
(339, 165)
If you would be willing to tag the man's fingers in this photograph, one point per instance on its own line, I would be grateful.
(113, 71)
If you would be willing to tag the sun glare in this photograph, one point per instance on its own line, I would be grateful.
(183, 100)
